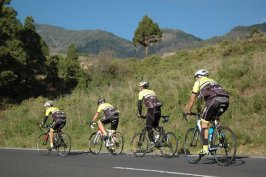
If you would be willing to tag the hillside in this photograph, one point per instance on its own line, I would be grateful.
(238, 32)
(239, 66)
(93, 42)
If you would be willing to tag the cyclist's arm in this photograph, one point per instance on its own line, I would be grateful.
(44, 120)
(95, 116)
(191, 102)
(140, 107)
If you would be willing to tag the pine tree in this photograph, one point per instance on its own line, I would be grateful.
(147, 33)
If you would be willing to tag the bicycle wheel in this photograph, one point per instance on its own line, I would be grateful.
(225, 146)
(117, 143)
(64, 144)
(168, 144)
(192, 145)
(43, 145)
(95, 143)
(139, 145)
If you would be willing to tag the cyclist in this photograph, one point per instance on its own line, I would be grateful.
(153, 106)
(59, 119)
(216, 98)
(111, 116)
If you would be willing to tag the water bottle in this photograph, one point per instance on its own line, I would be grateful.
(199, 126)
(156, 138)
(211, 129)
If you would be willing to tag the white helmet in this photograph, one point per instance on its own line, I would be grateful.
(48, 104)
(201, 72)
(144, 84)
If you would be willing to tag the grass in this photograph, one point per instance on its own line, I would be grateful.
(239, 68)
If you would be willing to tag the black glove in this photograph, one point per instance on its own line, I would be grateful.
(90, 123)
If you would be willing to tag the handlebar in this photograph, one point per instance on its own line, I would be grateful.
(190, 114)
(92, 125)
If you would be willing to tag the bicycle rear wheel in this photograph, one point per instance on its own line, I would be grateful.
(64, 144)
(192, 145)
(168, 144)
(95, 143)
(117, 143)
(43, 145)
(225, 146)
(139, 144)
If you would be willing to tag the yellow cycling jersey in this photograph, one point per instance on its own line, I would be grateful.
(104, 106)
(145, 93)
(199, 84)
(51, 110)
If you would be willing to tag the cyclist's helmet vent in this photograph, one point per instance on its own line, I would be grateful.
(144, 84)
(48, 104)
(101, 100)
(201, 72)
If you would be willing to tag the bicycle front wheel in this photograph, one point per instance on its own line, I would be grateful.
(95, 143)
(117, 143)
(192, 145)
(64, 144)
(43, 145)
(139, 144)
(225, 146)
(168, 144)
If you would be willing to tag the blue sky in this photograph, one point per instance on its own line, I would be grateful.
(201, 18)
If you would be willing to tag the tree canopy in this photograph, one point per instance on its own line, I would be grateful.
(147, 33)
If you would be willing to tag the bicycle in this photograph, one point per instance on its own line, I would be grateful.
(61, 141)
(165, 141)
(222, 142)
(114, 143)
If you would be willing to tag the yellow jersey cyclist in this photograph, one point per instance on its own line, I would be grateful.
(59, 119)
(111, 115)
(153, 106)
(216, 98)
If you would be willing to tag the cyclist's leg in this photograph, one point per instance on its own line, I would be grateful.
(55, 126)
(101, 124)
(149, 124)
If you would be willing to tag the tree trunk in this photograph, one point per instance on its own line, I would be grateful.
(1, 5)
(146, 51)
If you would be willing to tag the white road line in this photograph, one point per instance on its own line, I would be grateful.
(160, 171)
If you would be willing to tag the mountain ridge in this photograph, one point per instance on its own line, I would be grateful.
(94, 42)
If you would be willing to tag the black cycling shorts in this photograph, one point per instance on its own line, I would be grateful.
(59, 124)
(153, 117)
(113, 120)
(215, 107)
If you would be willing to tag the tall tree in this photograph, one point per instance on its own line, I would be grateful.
(147, 33)
(2, 2)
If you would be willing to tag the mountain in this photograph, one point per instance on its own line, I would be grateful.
(87, 41)
(238, 32)
(94, 42)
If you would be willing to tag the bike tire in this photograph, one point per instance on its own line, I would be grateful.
(64, 144)
(118, 143)
(95, 143)
(43, 145)
(225, 144)
(168, 144)
(192, 145)
(139, 144)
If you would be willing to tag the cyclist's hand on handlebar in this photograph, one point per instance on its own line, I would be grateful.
(141, 116)
(91, 124)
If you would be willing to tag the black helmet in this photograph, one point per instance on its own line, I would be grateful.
(101, 100)
(144, 84)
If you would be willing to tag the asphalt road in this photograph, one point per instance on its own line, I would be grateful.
(29, 163)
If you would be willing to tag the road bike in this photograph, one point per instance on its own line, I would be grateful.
(114, 143)
(165, 141)
(61, 141)
(222, 142)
